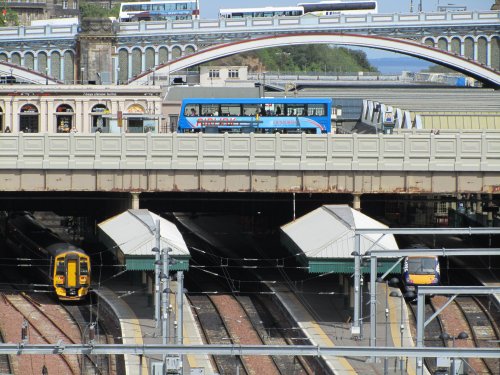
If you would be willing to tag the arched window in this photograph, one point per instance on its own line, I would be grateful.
(55, 64)
(429, 42)
(64, 118)
(189, 50)
(163, 55)
(29, 60)
(469, 48)
(135, 117)
(122, 66)
(29, 119)
(455, 45)
(482, 50)
(150, 58)
(69, 67)
(136, 61)
(495, 53)
(42, 63)
(176, 52)
(99, 118)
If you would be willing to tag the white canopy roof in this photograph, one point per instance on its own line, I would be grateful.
(328, 232)
(133, 232)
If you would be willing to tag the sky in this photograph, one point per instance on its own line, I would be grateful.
(209, 8)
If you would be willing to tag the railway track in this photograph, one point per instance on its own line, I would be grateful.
(432, 332)
(215, 332)
(241, 318)
(40, 326)
(48, 321)
(484, 332)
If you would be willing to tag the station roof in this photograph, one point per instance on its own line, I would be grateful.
(131, 237)
(325, 237)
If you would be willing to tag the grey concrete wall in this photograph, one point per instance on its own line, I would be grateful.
(410, 162)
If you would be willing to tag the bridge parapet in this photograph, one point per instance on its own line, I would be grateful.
(369, 21)
(403, 151)
(31, 33)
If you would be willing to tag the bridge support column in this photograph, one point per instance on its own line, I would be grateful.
(490, 213)
(479, 205)
(356, 202)
(135, 200)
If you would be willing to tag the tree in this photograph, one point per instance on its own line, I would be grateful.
(8, 17)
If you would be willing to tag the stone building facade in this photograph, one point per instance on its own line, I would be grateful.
(80, 108)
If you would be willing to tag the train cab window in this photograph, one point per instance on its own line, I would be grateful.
(421, 266)
(84, 267)
(60, 270)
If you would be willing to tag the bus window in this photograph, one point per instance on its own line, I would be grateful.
(295, 109)
(251, 109)
(230, 110)
(209, 110)
(316, 110)
(191, 110)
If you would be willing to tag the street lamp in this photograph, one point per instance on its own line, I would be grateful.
(446, 337)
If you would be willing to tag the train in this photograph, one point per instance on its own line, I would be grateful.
(420, 270)
(322, 8)
(65, 266)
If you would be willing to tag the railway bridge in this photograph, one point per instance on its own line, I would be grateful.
(99, 51)
(407, 161)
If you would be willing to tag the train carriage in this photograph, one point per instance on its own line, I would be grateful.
(65, 266)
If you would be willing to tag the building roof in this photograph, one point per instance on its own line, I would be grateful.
(328, 232)
(131, 236)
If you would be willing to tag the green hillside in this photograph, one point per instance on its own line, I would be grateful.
(307, 58)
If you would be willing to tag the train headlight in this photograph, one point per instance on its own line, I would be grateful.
(83, 279)
(59, 279)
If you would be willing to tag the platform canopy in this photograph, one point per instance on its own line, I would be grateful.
(325, 237)
(131, 236)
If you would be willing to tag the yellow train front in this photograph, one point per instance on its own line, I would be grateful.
(71, 273)
(420, 270)
(65, 266)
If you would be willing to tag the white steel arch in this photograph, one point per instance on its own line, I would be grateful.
(468, 67)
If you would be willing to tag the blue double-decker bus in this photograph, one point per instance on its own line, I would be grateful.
(256, 115)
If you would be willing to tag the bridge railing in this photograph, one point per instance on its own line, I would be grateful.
(39, 32)
(401, 151)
